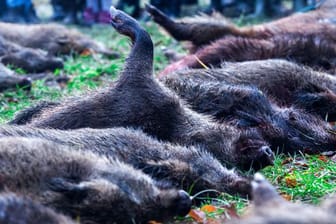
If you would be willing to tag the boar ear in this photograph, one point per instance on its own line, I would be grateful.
(68, 188)
(63, 40)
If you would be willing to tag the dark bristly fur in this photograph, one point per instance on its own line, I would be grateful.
(189, 168)
(31, 60)
(25, 116)
(285, 82)
(203, 30)
(22, 210)
(138, 100)
(10, 80)
(82, 184)
(315, 50)
(286, 129)
(53, 38)
(269, 207)
(301, 37)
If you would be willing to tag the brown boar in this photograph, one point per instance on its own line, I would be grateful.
(203, 30)
(306, 38)
(314, 50)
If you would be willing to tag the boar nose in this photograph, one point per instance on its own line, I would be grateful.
(57, 63)
(26, 83)
(268, 155)
(183, 203)
(268, 151)
(265, 158)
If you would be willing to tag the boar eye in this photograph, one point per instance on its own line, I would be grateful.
(73, 191)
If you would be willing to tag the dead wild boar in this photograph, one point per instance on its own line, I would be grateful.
(286, 83)
(83, 184)
(31, 60)
(287, 129)
(54, 38)
(10, 80)
(202, 30)
(138, 100)
(314, 50)
(190, 168)
(216, 41)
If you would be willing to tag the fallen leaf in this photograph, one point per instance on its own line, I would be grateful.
(323, 158)
(286, 196)
(287, 160)
(291, 181)
(197, 215)
(154, 222)
(208, 208)
(86, 52)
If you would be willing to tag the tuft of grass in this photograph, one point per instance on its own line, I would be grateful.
(307, 178)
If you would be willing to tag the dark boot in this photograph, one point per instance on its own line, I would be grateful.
(70, 8)
(58, 9)
(3, 7)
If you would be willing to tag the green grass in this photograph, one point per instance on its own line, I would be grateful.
(306, 178)
(303, 177)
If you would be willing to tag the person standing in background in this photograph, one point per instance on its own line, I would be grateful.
(18, 11)
(97, 11)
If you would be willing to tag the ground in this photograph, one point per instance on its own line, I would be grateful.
(302, 177)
